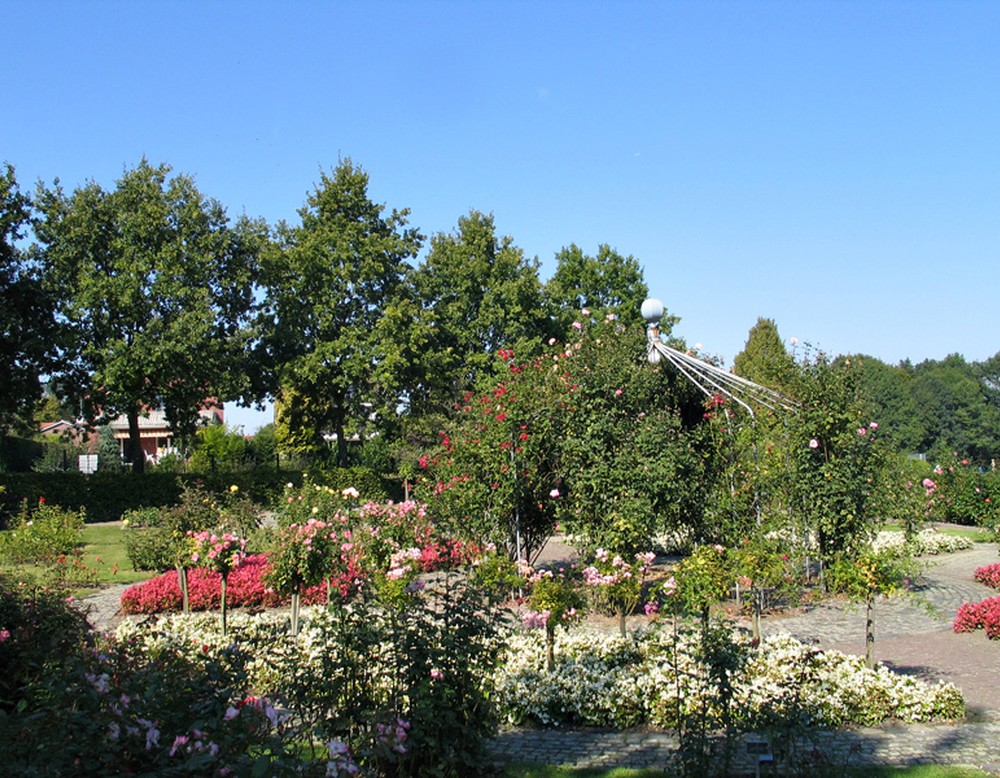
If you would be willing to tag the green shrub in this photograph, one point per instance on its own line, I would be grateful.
(151, 548)
(38, 631)
(41, 535)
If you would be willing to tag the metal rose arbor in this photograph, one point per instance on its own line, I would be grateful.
(718, 385)
(833, 471)
(708, 378)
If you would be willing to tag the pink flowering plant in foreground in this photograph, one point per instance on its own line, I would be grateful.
(221, 553)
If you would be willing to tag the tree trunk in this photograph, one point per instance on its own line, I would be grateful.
(341, 439)
(182, 582)
(870, 631)
(550, 648)
(222, 589)
(135, 442)
(622, 627)
(296, 604)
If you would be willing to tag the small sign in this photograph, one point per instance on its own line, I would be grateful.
(758, 747)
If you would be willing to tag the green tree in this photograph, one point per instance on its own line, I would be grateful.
(329, 281)
(764, 359)
(889, 392)
(156, 286)
(955, 411)
(27, 324)
(602, 284)
(476, 294)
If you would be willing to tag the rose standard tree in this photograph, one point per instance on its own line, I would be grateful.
(495, 478)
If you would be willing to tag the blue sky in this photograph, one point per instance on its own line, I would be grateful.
(834, 166)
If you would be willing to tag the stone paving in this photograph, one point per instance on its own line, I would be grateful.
(911, 637)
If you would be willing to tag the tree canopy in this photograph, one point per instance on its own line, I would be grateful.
(601, 284)
(27, 312)
(155, 288)
(477, 293)
(328, 281)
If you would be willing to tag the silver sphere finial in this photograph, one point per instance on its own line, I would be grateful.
(652, 310)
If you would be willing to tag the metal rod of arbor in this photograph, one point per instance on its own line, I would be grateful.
(708, 378)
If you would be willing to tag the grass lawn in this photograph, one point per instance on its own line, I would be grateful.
(103, 562)
(104, 552)
(528, 770)
(975, 534)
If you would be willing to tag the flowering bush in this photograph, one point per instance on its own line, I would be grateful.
(983, 615)
(307, 554)
(701, 579)
(614, 585)
(926, 541)
(964, 495)
(989, 575)
(38, 630)
(398, 693)
(39, 534)
(124, 710)
(839, 457)
(219, 553)
(247, 587)
(603, 680)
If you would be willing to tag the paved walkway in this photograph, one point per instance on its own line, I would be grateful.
(911, 637)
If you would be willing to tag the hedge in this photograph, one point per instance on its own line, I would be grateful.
(106, 496)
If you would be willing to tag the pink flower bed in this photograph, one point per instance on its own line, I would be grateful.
(246, 588)
(989, 575)
(246, 585)
(979, 615)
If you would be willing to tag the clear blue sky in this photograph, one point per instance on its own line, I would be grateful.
(834, 166)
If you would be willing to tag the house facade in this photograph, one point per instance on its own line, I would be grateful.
(155, 435)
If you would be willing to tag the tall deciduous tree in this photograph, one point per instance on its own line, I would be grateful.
(889, 392)
(26, 311)
(329, 282)
(477, 294)
(954, 408)
(156, 287)
(602, 284)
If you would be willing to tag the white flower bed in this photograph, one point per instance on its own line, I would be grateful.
(926, 541)
(609, 681)
(602, 679)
